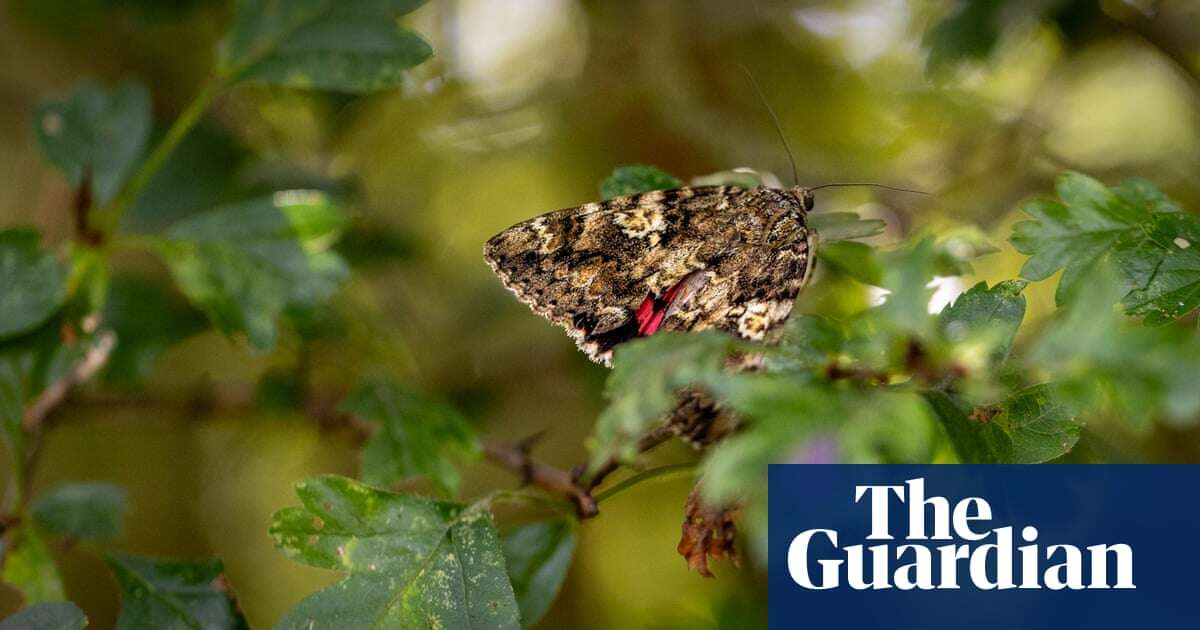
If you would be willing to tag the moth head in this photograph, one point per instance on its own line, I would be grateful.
(804, 197)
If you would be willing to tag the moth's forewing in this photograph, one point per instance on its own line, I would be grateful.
(590, 268)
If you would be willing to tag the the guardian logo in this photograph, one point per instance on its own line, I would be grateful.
(974, 554)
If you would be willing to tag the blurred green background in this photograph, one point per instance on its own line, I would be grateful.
(525, 107)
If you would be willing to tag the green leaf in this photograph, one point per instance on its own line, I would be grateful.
(647, 374)
(975, 442)
(1034, 425)
(95, 132)
(992, 315)
(1041, 423)
(47, 616)
(634, 179)
(165, 593)
(969, 32)
(29, 567)
(809, 342)
(34, 282)
(245, 263)
(81, 510)
(537, 556)
(412, 562)
(856, 260)
(905, 273)
(147, 320)
(1133, 225)
(342, 45)
(415, 437)
(1164, 269)
(1136, 371)
(842, 226)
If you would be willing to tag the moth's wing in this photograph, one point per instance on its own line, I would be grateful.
(589, 268)
(606, 271)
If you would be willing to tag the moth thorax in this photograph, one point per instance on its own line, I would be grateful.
(804, 196)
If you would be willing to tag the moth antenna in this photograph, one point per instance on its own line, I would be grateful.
(873, 185)
(778, 127)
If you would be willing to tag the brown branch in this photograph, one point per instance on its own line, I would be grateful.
(53, 395)
(555, 480)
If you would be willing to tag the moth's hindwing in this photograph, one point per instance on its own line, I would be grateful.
(682, 259)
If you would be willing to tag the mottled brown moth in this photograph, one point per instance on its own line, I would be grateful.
(685, 259)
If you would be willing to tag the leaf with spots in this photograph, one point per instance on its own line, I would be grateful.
(1134, 226)
(341, 45)
(412, 562)
(165, 593)
(95, 132)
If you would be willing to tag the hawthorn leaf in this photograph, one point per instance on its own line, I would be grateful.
(1132, 225)
(34, 285)
(974, 442)
(46, 616)
(166, 593)
(81, 510)
(29, 567)
(1041, 424)
(95, 132)
(635, 179)
(340, 45)
(412, 562)
(993, 314)
(415, 437)
(538, 556)
(809, 342)
(243, 264)
(647, 374)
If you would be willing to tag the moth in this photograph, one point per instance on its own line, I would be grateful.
(686, 259)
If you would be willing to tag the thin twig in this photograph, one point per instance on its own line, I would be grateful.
(555, 480)
(93, 361)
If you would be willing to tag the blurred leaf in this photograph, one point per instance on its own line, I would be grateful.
(856, 260)
(538, 556)
(1140, 371)
(906, 272)
(809, 342)
(81, 510)
(29, 567)
(1034, 425)
(634, 179)
(197, 175)
(416, 434)
(147, 320)
(164, 593)
(646, 375)
(245, 263)
(887, 427)
(28, 363)
(969, 32)
(34, 282)
(996, 312)
(842, 226)
(95, 132)
(412, 562)
(340, 45)
(46, 616)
